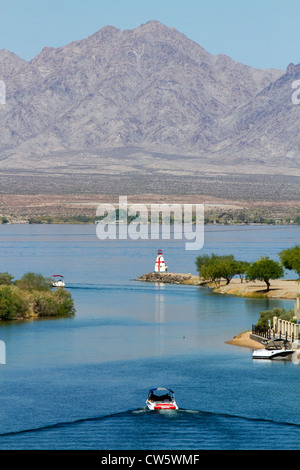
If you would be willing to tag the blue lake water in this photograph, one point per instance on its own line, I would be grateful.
(82, 382)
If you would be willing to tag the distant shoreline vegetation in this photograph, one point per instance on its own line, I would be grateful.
(32, 297)
(219, 216)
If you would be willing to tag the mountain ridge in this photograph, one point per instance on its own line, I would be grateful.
(152, 89)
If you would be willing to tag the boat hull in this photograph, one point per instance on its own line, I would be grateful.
(161, 406)
(282, 354)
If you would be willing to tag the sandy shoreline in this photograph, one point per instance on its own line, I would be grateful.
(244, 340)
(280, 289)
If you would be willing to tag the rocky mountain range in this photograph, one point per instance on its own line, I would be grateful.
(145, 102)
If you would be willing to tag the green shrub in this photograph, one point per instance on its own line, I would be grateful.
(12, 305)
(33, 295)
(56, 303)
(65, 303)
(6, 279)
(263, 321)
(31, 281)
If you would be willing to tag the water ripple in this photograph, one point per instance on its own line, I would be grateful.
(180, 413)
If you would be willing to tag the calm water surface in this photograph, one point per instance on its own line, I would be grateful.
(81, 383)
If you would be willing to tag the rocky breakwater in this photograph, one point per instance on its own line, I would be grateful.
(170, 278)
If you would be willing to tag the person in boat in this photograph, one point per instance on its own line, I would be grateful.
(160, 398)
(166, 397)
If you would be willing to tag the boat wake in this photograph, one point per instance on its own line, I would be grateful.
(107, 287)
(62, 424)
(180, 413)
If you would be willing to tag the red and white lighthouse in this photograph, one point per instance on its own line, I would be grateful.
(160, 265)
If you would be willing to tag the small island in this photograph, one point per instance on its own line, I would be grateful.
(32, 296)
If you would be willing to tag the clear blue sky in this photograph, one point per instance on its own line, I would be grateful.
(260, 33)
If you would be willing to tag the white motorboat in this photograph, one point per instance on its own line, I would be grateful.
(275, 349)
(58, 280)
(161, 399)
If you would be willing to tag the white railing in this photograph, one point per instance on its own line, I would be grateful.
(286, 329)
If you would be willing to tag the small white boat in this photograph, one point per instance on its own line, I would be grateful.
(161, 399)
(275, 349)
(58, 280)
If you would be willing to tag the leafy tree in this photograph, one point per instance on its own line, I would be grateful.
(6, 279)
(241, 268)
(290, 258)
(206, 267)
(215, 268)
(201, 262)
(31, 281)
(264, 269)
(227, 267)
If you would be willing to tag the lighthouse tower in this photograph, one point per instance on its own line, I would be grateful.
(160, 266)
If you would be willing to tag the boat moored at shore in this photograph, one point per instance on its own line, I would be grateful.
(276, 349)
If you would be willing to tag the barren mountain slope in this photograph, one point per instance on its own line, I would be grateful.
(146, 109)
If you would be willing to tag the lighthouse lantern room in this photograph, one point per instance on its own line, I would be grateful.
(160, 265)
